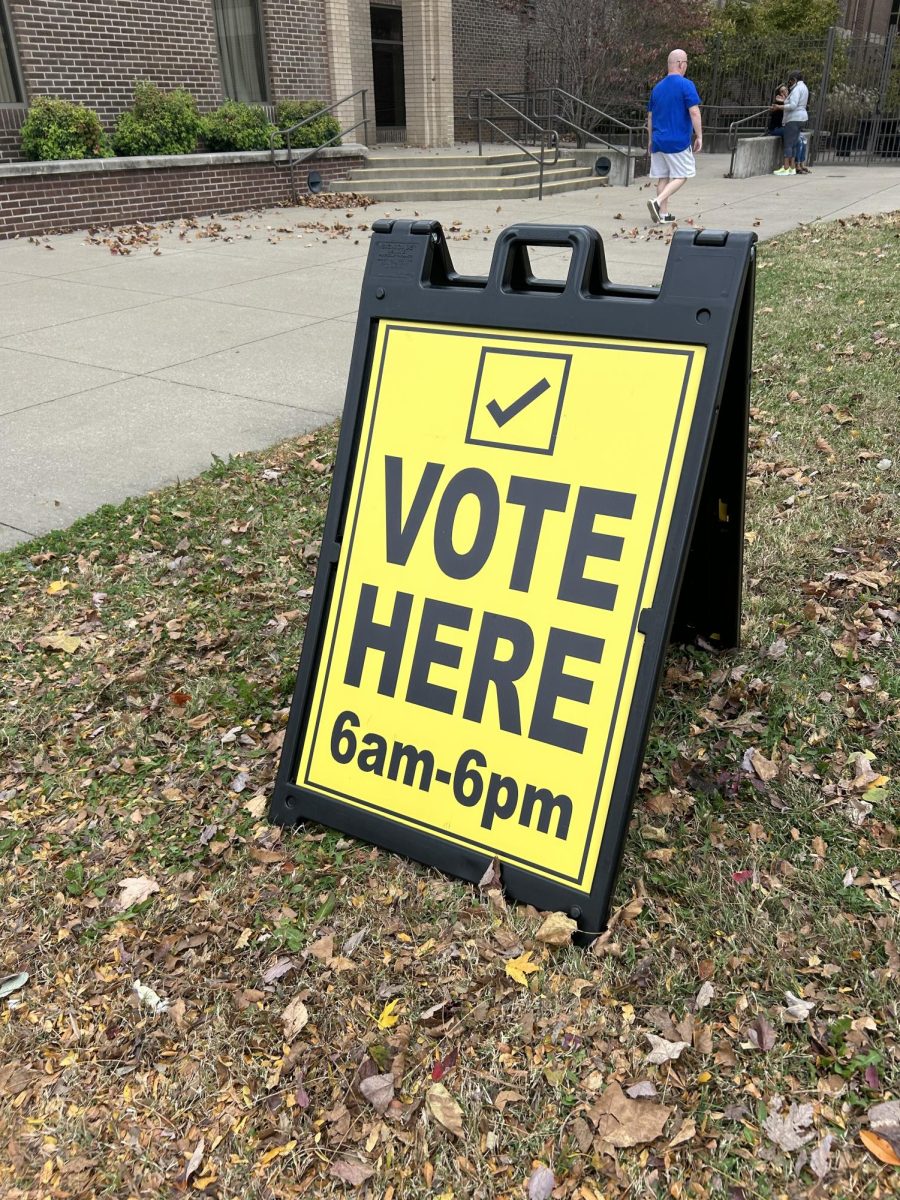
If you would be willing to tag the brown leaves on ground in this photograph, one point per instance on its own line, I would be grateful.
(622, 1122)
(295, 1018)
(556, 929)
(444, 1109)
(135, 891)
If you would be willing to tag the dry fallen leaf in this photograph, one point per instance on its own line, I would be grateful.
(444, 1109)
(761, 1033)
(59, 641)
(294, 1018)
(644, 1088)
(796, 1009)
(556, 930)
(520, 968)
(12, 983)
(351, 1170)
(704, 996)
(541, 1184)
(788, 1130)
(684, 1134)
(193, 1163)
(764, 768)
(135, 891)
(622, 1122)
(663, 1050)
(880, 1147)
(378, 1090)
(820, 1158)
(388, 1017)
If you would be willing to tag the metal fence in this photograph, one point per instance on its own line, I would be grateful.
(856, 119)
(854, 84)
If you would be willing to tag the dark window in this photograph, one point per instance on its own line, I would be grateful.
(241, 53)
(11, 91)
(387, 67)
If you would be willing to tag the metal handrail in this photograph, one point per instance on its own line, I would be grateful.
(314, 150)
(590, 135)
(733, 133)
(549, 137)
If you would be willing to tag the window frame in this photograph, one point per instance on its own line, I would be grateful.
(264, 51)
(15, 62)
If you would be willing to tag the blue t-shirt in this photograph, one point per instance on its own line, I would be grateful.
(669, 104)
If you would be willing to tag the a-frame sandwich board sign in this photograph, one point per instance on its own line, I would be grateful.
(530, 473)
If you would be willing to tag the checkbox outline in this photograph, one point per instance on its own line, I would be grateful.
(536, 354)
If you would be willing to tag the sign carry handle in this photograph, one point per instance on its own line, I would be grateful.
(511, 269)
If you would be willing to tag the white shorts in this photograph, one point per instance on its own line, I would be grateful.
(672, 166)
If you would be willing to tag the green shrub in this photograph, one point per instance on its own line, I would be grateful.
(160, 123)
(57, 129)
(237, 126)
(317, 132)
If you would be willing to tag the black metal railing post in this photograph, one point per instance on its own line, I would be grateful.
(822, 103)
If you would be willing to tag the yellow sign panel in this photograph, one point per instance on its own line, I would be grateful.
(510, 503)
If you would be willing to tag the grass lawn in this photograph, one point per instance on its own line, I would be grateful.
(339, 1020)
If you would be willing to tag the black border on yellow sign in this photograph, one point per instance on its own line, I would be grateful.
(706, 299)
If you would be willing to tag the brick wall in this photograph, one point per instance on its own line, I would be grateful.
(490, 46)
(297, 49)
(93, 51)
(64, 201)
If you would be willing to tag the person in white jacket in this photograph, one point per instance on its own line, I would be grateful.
(795, 117)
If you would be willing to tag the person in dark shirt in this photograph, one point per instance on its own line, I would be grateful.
(776, 111)
(676, 134)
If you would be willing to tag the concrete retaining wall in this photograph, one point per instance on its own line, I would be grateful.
(756, 156)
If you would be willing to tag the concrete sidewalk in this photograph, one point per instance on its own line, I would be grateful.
(124, 373)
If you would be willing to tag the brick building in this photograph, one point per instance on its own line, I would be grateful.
(413, 57)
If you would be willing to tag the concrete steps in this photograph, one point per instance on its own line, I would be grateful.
(465, 177)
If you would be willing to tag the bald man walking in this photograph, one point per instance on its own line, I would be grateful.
(676, 135)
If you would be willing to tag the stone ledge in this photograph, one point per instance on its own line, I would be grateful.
(758, 155)
(85, 166)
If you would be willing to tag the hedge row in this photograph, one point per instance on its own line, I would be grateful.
(167, 123)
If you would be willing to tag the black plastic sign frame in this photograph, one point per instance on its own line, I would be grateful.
(538, 483)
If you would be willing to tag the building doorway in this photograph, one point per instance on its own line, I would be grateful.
(389, 84)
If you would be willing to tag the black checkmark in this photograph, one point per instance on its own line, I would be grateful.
(502, 415)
